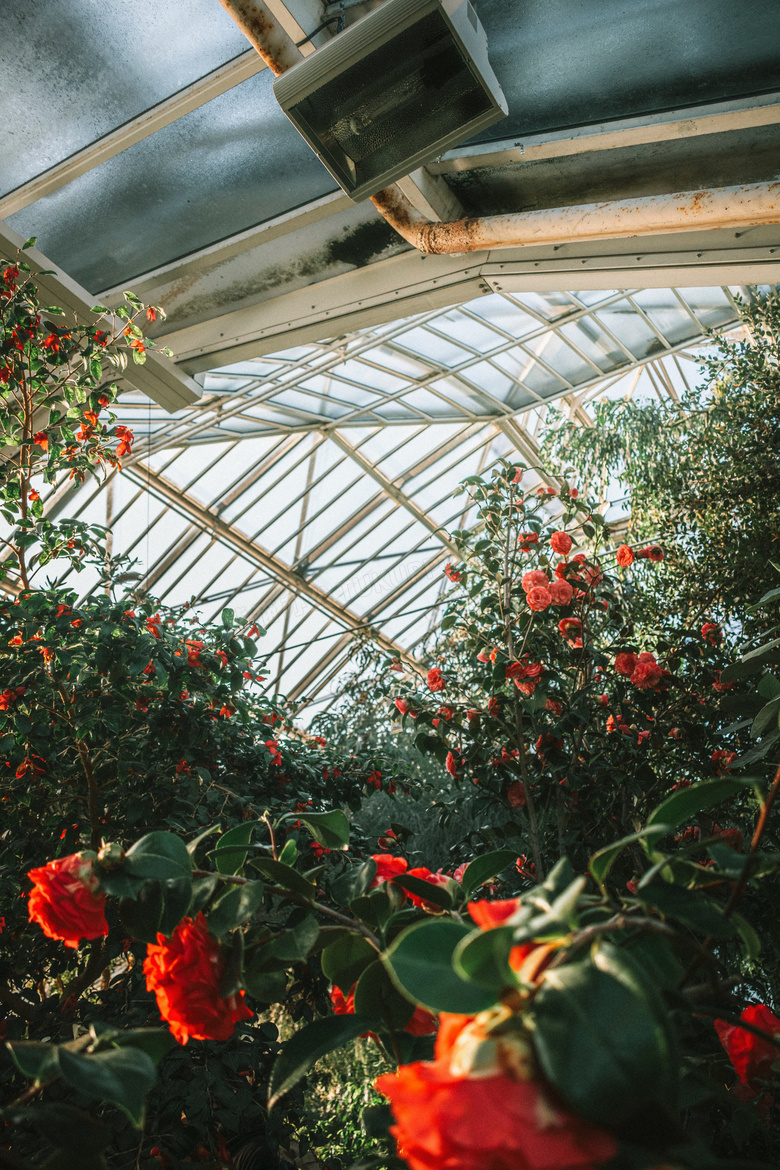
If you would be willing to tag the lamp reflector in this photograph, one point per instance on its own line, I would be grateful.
(393, 91)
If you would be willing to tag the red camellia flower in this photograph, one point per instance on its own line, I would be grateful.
(515, 794)
(625, 663)
(538, 598)
(66, 901)
(561, 592)
(425, 875)
(185, 972)
(527, 539)
(534, 578)
(561, 543)
(711, 633)
(451, 1115)
(751, 1056)
(647, 673)
(193, 653)
(625, 556)
(451, 765)
(651, 553)
(453, 574)
(42, 440)
(388, 867)
(435, 679)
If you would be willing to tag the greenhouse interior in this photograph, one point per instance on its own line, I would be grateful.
(389, 583)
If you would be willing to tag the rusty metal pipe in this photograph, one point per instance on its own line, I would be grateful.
(720, 207)
(264, 33)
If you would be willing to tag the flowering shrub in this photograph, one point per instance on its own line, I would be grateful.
(590, 979)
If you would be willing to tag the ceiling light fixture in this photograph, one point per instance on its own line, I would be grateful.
(393, 91)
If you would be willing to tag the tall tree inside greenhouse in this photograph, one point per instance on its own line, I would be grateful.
(702, 475)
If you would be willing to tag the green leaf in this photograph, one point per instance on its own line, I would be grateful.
(228, 618)
(345, 960)
(751, 943)
(38, 1061)
(601, 863)
(689, 907)
(687, 802)
(437, 895)
(420, 962)
(285, 876)
(599, 1044)
(235, 907)
(33, 240)
(766, 718)
(354, 882)
(483, 958)
(193, 845)
(331, 829)
(159, 855)
(304, 1049)
(296, 944)
(377, 997)
(231, 849)
(289, 853)
(121, 1076)
(155, 1042)
(487, 866)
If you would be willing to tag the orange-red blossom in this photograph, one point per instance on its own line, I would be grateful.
(66, 900)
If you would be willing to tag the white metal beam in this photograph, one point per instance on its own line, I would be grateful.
(159, 379)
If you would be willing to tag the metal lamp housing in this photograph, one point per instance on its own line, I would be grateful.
(393, 91)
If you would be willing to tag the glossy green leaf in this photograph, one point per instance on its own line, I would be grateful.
(159, 855)
(601, 863)
(436, 895)
(230, 851)
(489, 865)
(155, 1042)
(344, 961)
(285, 876)
(687, 802)
(331, 829)
(121, 1076)
(296, 943)
(302, 1051)
(235, 907)
(599, 1044)
(377, 996)
(354, 882)
(691, 908)
(34, 1060)
(483, 958)
(420, 962)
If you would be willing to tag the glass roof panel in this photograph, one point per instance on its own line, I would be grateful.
(73, 72)
(168, 195)
(356, 511)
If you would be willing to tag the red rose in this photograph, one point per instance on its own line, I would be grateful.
(625, 556)
(185, 972)
(66, 901)
(625, 663)
(538, 598)
(561, 543)
(751, 1056)
(435, 680)
(534, 578)
(561, 592)
(498, 1119)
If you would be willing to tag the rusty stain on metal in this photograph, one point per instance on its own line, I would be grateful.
(720, 207)
(265, 34)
